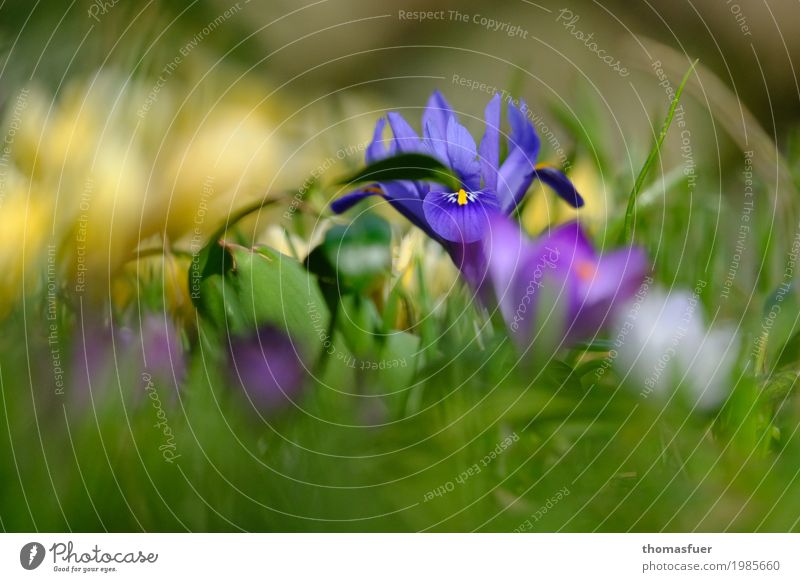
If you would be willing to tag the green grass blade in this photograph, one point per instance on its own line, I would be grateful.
(651, 158)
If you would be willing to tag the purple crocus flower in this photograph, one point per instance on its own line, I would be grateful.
(557, 285)
(267, 366)
(458, 219)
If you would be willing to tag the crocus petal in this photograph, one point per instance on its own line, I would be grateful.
(506, 249)
(516, 173)
(437, 113)
(463, 154)
(405, 138)
(490, 144)
(611, 280)
(571, 239)
(544, 296)
(619, 273)
(346, 202)
(459, 223)
(560, 183)
(555, 290)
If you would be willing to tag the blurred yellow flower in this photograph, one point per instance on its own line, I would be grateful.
(110, 173)
(25, 225)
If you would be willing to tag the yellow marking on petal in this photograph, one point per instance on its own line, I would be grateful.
(462, 197)
(585, 270)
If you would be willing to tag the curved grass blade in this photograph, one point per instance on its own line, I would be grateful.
(627, 232)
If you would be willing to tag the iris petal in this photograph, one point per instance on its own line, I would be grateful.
(463, 154)
(346, 202)
(435, 143)
(406, 198)
(405, 138)
(437, 113)
(561, 184)
(517, 171)
(459, 223)
(490, 144)
(403, 195)
(377, 149)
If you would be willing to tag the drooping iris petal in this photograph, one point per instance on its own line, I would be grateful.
(94, 358)
(460, 217)
(560, 183)
(463, 155)
(403, 195)
(437, 113)
(406, 197)
(347, 201)
(489, 150)
(266, 366)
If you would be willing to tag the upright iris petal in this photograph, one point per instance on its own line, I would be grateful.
(463, 155)
(490, 144)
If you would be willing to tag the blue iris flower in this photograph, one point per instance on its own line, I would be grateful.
(487, 186)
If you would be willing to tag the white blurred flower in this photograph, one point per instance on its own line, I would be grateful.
(663, 343)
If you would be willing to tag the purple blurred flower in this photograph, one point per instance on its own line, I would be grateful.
(557, 286)
(100, 354)
(104, 357)
(267, 366)
(457, 219)
(160, 348)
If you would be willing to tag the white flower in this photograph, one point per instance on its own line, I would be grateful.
(663, 344)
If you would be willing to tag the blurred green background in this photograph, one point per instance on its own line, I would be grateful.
(160, 113)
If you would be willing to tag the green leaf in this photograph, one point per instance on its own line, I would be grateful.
(205, 290)
(273, 288)
(214, 259)
(360, 253)
(406, 167)
(651, 158)
(262, 286)
(358, 321)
